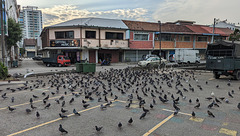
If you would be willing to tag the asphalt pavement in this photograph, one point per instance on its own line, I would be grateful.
(160, 121)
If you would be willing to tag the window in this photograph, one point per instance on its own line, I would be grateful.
(64, 35)
(141, 37)
(202, 38)
(113, 35)
(184, 38)
(166, 37)
(91, 34)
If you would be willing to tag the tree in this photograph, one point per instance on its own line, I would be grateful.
(235, 36)
(14, 35)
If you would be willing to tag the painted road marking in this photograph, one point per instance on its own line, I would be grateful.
(178, 112)
(158, 125)
(33, 102)
(49, 122)
(228, 132)
(44, 90)
(196, 119)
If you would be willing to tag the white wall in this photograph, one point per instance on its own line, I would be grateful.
(85, 55)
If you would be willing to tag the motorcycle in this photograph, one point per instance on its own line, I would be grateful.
(105, 62)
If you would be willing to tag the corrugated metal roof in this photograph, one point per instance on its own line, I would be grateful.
(93, 22)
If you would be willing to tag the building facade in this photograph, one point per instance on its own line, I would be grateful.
(96, 39)
(10, 10)
(91, 39)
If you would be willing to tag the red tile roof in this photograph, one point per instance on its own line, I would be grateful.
(175, 28)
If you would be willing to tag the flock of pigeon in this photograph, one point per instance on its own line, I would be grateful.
(147, 88)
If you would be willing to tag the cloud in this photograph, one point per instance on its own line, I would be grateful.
(62, 13)
(201, 11)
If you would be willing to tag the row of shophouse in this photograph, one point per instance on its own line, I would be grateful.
(95, 39)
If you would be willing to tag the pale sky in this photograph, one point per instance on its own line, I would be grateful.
(201, 11)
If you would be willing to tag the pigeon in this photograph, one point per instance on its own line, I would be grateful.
(197, 106)
(209, 98)
(28, 111)
(85, 105)
(229, 94)
(151, 106)
(33, 107)
(238, 106)
(212, 94)
(63, 103)
(31, 100)
(130, 121)
(63, 111)
(143, 115)
(75, 112)
(145, 110)
(210, 105)
(175, 112)
(37, 114)
(210, 114)
(226, 100)
(190, 101)
(193, 114)
(48, 105)
(11, 109)
(98, 128)
(102, 107)
(217, 100)
(12, 99)
(62, 116)
(34, 96)
(119, 125)
(71, 100)
(128, 106)
(62, 130)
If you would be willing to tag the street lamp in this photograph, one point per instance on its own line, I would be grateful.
(160, 39)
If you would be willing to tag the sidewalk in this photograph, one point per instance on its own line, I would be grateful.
(11, 83)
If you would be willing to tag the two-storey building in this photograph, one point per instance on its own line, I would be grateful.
(92, 39)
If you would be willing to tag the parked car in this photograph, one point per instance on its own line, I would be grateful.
(152, 61)
(37, 58)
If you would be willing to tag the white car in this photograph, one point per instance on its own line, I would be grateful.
(152, 61)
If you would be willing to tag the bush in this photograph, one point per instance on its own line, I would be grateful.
(3, 71)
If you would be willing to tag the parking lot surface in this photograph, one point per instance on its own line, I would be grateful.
(115, 89)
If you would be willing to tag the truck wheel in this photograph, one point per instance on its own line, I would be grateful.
(48, 64)
(216, 75)
(59, 65)
(237, 76)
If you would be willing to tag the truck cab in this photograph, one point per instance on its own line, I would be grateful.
(63, 60)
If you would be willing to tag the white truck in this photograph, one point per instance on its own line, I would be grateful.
(187, 56)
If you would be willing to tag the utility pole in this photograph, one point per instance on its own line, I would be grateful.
(213, 30)
(2, 32)
(160, 40)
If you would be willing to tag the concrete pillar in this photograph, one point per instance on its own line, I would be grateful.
(96, 56)
(136, 55)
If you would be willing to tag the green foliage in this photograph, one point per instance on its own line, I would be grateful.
(235, 36)
(22, 50)
(14, 33)
(3, 71)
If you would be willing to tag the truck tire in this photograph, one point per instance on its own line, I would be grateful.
(237, 76)
(59, 65)
(48, 64)
(216, 75)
